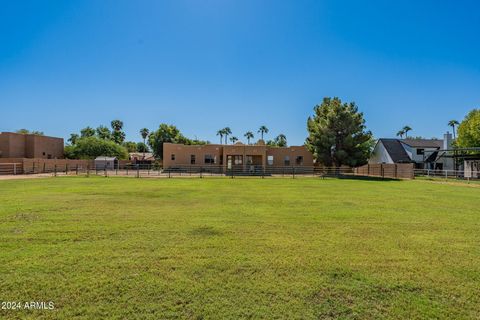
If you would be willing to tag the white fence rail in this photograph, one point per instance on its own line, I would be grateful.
(447, 174)
(11, 168)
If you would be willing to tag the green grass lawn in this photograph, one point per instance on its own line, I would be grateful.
(126, 248)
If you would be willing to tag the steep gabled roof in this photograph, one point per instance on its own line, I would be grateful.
(424, 143)
(396, 151)
(432, 157)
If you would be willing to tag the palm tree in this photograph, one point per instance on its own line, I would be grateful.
(103, 133)
(262, 130)
(248, 135)
(281, 140)
(220, 133)
(117, 125)
(73, 138)
(226, 132)
(144, 133)
(400, 134)
(406, 129)
(453, 124)
(233, 139)
(87, 132)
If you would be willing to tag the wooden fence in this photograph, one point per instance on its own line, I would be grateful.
(393, 171)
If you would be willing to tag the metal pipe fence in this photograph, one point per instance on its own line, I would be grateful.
(151, 171)
(446, 174)
(205, 171)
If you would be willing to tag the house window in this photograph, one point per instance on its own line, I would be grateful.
(209, 159)
(270, 160)
(299, 161)
(238, 160)
(420, 151)
(249, 160)
(172, 157)
(286, 161)
(192, 159)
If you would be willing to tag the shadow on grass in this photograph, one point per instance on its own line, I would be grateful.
(367, 178)
(205, 231)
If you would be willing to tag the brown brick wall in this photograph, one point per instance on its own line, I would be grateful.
(14, 145)
(4, 146)
(43, 147)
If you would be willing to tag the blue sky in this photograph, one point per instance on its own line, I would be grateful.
(204, 65)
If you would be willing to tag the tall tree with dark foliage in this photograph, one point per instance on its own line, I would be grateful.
(338, 135)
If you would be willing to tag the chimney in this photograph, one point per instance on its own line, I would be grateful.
(447, 141)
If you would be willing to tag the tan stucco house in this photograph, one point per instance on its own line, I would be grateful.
(237, 156)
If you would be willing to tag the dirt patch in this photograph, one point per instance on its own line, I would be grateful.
(456, 183)
(25, 176)
(205, 231)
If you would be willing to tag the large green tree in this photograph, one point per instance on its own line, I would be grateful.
(130, 145)
(142, 147)
(469, 130)
(338, 135)
(165, 133)
(92, 147)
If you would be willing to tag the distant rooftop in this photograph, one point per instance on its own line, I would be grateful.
(102, 158)
(423, 143)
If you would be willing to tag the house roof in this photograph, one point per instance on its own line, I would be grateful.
(105, 158)
(139, 155)
(396, 150)
(432, 157)
(424, 143)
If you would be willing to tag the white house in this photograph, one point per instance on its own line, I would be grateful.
(424, 153)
